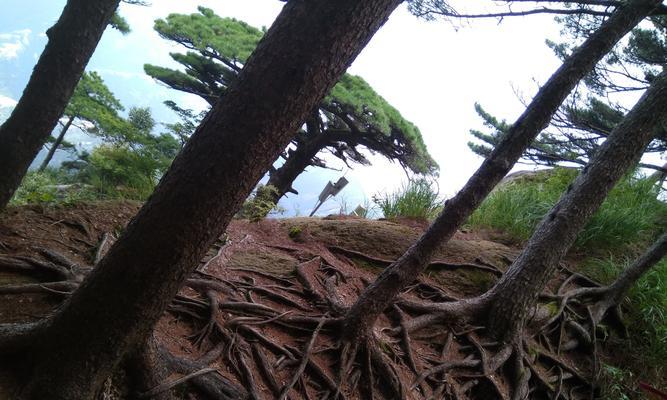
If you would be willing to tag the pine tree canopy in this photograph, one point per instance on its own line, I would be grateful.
(586, 119)
(352, 115)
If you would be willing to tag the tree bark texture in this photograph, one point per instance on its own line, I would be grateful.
(361, 317)
(515, 294)
(72, 41)
(297, 62)
(56, 144)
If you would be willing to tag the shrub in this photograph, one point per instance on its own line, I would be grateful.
(295, 232)
(259, 204)
(117, 171)
(49, 187)
(417, 199)
(36, 188)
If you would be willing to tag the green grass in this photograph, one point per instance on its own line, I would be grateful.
(629, 220)
(416, 199)
(631, 216)
(645, 310)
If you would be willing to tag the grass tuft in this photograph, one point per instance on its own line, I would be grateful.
(632, 214)
(416, 199)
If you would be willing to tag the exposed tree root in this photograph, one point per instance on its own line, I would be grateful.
(276, 336)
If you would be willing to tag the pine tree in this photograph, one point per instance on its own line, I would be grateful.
(113, 311)
(351, 117)
(92, 106)
(586, 119)
(72, 41)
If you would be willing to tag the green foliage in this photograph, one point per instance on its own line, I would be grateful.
(294, 232)
(189, 121)
(36, 188)
(119, 23)
(417, 199)
(356, 97)
(128, 165)
(352, 115)
(646, 311)
(116, 171)
(616, 383)
(260, 204)
(93, 101)
(92, 108)
(630, 216)
(51, 186)
(587, 118)
(207, 32)
(130, 162)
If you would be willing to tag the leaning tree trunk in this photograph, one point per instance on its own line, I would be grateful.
(56, 144)
(72, 40)
(363, 314)
(643, 264)
(297, 161)
(515, 295)
(297, 62)
(612, 295)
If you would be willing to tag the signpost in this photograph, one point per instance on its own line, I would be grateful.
(330, 190)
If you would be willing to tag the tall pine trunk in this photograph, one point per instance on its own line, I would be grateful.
(56, 144)
(515, 295)
(363, 314)
(72, 41)
(297, 62)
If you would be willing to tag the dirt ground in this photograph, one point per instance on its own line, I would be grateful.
(255, 304)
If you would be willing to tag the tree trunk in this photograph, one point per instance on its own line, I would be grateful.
(56, 144)
(515, 295)
(297, 161)
(361, 317)
(297, 62)
(72, 40)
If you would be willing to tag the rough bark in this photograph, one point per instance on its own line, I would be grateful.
(284, 176)
(147, 370)
(405, 270)
(515, 295)
(72, 41)
(56, 144)
(300, 58)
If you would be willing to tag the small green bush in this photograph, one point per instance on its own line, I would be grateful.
(417, 199)
(36, 188)
(259, 204)
(295, 232)
(117, 171)
(51, 186)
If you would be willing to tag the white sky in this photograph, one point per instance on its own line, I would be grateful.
(432, 72)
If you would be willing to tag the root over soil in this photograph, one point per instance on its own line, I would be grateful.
(261, 318)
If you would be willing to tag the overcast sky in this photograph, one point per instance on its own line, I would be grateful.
(432, 72)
